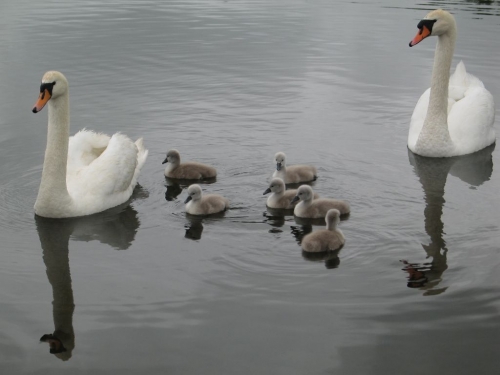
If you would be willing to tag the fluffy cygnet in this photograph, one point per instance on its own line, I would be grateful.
(187, 171)
(327, 239)
(199, 204)
(280, 197)
(316, 208)
(293, 173)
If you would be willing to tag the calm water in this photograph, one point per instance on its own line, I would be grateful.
(143, 288)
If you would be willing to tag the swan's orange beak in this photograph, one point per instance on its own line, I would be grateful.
(423, 33)
(42, 100)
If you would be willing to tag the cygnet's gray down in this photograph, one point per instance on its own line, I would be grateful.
(188, 170)
(280, 197)
(199, 204)
(328, 239)
(317, 208)
(293, 173)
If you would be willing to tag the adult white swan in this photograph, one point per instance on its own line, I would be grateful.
(455, 116)
(88, 172)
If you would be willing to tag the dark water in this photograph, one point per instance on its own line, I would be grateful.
(143, 288)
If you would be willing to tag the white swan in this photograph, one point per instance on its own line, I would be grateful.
(87, 173)
(293, 173)
(328, 239)
(454, 120)
(199, 204)
(186, 171)
(311, 208)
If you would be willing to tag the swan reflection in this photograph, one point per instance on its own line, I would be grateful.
(473, 169)
(54, 238)
(116, 227)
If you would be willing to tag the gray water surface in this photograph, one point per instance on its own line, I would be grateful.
(145, 288)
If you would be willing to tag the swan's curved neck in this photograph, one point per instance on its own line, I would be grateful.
(332, 225)
(435, 134)
(438, 105)
(53, 185)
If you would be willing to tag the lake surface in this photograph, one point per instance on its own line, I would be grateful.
(144, 289)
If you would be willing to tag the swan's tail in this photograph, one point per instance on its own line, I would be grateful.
(141, 158)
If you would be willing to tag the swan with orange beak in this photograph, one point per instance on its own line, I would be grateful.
(455, 116)
(87, 173)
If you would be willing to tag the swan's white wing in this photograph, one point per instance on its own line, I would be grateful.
(461, 81)
(471, 119)
(110, 175)
(84, 147)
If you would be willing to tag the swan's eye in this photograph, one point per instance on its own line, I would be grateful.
(47, 86)
(426, 23)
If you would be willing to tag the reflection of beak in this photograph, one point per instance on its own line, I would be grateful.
(56, 345)
(268, 190)
(278, 167)
(421, 35)
(295, 199)
(43, 98)
(165, 161)
(188, 199)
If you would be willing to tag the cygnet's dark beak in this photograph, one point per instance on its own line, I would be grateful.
(295, 199)
(165, 161)
(188, 199)
(268, 190)
(278, 166)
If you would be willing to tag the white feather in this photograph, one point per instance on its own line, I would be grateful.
(100, 171)
(471, 109)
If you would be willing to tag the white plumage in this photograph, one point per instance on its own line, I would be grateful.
(87, 173)
(456, 115)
